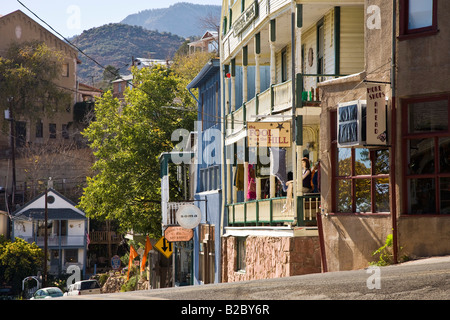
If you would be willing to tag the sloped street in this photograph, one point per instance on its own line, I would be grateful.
(425, 279)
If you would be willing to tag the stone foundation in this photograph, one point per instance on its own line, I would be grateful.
(271, 257)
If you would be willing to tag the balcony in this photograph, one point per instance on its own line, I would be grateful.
(57, 241)
(104, 237)
(275, 211)
(170, 209)
(277, 98)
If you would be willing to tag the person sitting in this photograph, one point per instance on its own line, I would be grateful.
(306, 175)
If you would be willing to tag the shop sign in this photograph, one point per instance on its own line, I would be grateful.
(245, 18)
(174, 234)
(269, 134)
(376, 115)
(188, 216)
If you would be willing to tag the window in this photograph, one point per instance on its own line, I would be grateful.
(361, 178)
(426, 155)
(418, 17)
(65, 70)
(71, 255)
(241, 253)
(284, 67)
(39, 129)
(52, 130)
(65, 131)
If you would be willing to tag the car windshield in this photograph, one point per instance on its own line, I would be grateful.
(54, 292)
(86, 285)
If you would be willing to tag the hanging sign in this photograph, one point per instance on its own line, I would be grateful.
(269, 134)
(376, 115)
(188, 216)
(174, 234)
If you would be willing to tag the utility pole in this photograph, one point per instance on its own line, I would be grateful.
(49, 185)
(10, 117)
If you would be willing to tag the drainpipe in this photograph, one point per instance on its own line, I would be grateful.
(394, 133)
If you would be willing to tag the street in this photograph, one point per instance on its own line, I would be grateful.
(424, 279)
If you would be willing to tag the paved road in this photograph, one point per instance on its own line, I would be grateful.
(425, 279)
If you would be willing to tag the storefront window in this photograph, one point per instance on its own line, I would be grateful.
(426, 154)
(362, 180)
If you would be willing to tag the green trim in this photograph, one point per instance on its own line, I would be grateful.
(245, 56)
(258, 43)
(299, 130)
(337, 40)
(273, 32)
(233, 67)
(299, 15)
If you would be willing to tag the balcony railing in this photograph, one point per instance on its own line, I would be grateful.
(57, 241)
(104, 237)
(275, 211)
(172, 207)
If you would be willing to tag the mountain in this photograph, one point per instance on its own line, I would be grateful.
(183, 19)
(115, 44)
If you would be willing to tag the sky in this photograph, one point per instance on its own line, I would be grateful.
(72, 17)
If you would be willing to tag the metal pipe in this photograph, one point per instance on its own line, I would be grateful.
(394, 133)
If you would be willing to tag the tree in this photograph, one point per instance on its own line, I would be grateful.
(127, 141)
(27, 75)
(18, 260)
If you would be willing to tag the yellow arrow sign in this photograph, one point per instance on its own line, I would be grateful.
(165, 247)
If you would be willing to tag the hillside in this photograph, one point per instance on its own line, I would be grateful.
(115, 44)
(183, 19)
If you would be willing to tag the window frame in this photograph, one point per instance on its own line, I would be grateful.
(353, 177)
(241, 254)
(406, 33)
(435, 136)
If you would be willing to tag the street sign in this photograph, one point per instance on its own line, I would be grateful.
(173, 234)
(165, 247)
(115, 262)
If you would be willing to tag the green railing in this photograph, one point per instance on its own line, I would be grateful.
(275, 211)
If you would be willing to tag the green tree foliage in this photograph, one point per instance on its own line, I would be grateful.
(18, 260)
(127, 140)
(27, 75)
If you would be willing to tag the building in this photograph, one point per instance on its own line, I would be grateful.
(18, 27)
(394, 181)
(208, 174)
(209, 42)
(177, 173)
(274, 55)
(67, 230)
(40, 141)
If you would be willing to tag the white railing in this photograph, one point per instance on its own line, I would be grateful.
(172, 208)
(56, 241)
(282, 96)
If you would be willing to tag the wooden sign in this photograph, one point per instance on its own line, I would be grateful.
(269, 134)
(173, 234)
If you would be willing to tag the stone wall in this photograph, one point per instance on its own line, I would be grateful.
(271, 257)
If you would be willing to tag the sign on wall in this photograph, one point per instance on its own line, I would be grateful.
(376, 115)
(269, 134)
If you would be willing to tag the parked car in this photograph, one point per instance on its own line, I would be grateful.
(84, 287)
(47, 293)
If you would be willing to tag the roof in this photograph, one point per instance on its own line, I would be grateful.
(20, 12)
(128, 77)
(210, 68)
(59, 209)
(52, 214)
